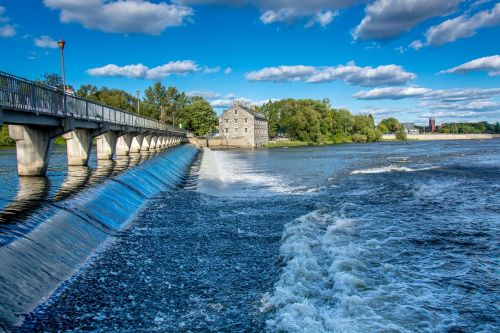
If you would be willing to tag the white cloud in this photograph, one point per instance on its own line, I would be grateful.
(144, 72)
(445, 95)
(475, 106)
(210, 70)
(45, 42)
(351, 73)
(282, 73)
(490, 64)
(122, 16)
(228, 70)
(319, 12)
(391, 93)
(462, 26)
(416, 45)
(386, 19)
(6, 30)
(130, 71)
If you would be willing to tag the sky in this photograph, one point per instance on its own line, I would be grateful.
(411, 59)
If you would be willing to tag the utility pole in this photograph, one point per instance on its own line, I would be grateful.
(61, 44)
(138, 103)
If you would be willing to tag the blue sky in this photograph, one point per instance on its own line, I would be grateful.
(406, 58)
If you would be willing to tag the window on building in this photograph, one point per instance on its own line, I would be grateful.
(236, 121)
(246, 129)
(235, 111)
(236, 130)
(227, 130)
(246, 120)
(227, 120)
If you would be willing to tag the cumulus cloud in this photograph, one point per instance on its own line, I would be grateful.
(462, 26)
(351, 73)
(464, 102)
(6, 30)
(392, 93)
(386, 19)
(45, 42)
(144, 72)
(319, 12)
(122, 16)
(282, 73)
(490, 64)
(475, 106)
(445, 95)
(228, 70)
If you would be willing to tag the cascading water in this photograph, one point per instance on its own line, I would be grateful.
(43, 250)
(399, 237)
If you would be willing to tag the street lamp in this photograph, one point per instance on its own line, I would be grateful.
(138, 103)
(61, 44)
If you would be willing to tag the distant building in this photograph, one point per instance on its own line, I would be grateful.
(432, 125)
(410, 128)
(240, 126)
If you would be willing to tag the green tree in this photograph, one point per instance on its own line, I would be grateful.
(401, 134)
(392, 124)
(199, 117)
(382, 128)
(51, 80)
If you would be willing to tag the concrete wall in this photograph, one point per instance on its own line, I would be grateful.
(436, 136)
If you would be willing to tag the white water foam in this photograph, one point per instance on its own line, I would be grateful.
(321, 288)
(391, 168)
(228, 174)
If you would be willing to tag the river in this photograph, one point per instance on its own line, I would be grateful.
(381, 237)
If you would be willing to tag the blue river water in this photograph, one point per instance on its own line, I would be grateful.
(382, 237)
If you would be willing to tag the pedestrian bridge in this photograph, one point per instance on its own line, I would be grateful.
(37, 114)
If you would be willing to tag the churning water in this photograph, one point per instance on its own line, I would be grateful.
(385, 237)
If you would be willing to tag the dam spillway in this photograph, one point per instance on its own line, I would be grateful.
(357, 238)
(50, 238)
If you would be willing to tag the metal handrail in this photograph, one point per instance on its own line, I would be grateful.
(30, 96)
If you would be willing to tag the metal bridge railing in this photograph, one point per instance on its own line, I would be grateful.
(28, 96)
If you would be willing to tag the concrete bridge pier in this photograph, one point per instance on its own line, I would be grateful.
(106, 145)
(136, 143)
(164, 143)
(146, 142)
(79, 145)
(33, 148)
(152, 145)
(124, 144)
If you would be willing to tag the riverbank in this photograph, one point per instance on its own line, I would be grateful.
(438, 137)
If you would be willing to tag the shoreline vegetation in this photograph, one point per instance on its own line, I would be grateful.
(300, 121)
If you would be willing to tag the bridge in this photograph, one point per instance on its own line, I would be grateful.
(37, 114)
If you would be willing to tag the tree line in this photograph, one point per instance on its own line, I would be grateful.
(315, 121)
(470, 128)
(165, 104)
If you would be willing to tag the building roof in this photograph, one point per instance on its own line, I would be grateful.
(257, 115)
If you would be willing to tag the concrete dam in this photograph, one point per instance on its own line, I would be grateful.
(53, 236)
(48, 230)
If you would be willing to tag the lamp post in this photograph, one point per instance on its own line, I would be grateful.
(61, 44)
(138, 103)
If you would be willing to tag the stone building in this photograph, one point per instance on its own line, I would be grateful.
(240, 126)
